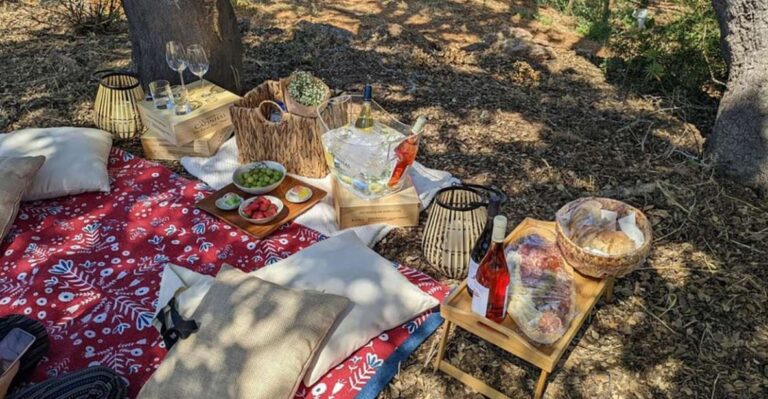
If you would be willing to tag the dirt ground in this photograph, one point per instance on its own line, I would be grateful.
(538, 120)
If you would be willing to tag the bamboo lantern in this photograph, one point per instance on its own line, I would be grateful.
(115, 109)
(456, 218)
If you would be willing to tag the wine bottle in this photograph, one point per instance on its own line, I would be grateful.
(364, 121)
(483, 241)
(406, 151)
(491, 293)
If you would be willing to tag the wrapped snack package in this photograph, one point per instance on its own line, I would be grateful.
(543, 299)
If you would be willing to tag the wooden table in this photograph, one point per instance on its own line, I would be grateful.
(456, 309)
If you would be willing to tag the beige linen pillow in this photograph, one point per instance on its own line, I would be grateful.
(16, 175)
(75, 159)
(382, 298)
(255, 340)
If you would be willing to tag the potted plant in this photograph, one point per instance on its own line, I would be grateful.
(305, 94)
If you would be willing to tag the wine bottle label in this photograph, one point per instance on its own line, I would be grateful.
(480, 299)
(472, 275)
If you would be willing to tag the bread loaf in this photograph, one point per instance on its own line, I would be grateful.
(610, 242)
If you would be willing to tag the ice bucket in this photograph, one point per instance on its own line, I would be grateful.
(371, 164)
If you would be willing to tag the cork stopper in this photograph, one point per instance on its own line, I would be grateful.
(499, 228)
(419, 125)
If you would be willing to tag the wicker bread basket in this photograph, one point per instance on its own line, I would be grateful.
(603, 266)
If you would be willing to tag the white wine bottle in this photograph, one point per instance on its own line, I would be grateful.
(364, 121)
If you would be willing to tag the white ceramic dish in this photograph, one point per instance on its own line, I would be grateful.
(253, 165)
(291, 195)
(221, 203)
(271, 199)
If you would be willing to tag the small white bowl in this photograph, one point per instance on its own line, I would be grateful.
(290, 195)
(253, 165)
(221, 202)
(271, 199)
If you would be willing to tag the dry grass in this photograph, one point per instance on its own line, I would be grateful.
(691, 323)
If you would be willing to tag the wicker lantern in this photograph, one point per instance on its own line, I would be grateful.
(456, 218)
(115, 109)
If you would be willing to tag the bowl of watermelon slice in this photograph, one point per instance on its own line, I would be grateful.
(261, 209)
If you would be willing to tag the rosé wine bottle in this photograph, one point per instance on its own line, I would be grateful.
(491, 290)
(483, 242)
(406, 151)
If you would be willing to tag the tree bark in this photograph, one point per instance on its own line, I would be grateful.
(210, 23)
(738, 143)
(606, 10)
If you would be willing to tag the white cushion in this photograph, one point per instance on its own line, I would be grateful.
(76, 159)
(382, 298)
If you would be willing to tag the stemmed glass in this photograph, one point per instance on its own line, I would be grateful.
(198, 64)
(177, 60)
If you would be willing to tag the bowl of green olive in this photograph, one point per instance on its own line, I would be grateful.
(259, 177)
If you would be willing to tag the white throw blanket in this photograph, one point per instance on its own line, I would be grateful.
(217, 170)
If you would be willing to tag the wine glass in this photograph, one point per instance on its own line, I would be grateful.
(198, 64)
(177, 60)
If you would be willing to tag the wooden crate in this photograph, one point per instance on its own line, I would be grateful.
(155, 147)
(399, 209)
(457, 310)
(210, 115)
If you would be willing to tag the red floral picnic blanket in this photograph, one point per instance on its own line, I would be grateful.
(89, 266)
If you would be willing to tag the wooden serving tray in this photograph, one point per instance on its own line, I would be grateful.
(457, 309)
(290, 210)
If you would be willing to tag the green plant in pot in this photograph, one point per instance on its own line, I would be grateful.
(305, 94)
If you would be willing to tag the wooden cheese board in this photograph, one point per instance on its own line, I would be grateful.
(290, 211)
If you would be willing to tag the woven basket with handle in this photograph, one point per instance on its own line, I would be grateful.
(603, 266)
(295, 141)
(457, 216)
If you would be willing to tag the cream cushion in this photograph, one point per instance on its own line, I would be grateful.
(255, 341)
(17, 175)
(75, 159)
(382, 298)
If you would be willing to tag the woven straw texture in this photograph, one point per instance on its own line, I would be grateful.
(295, 141)
(115, 109)
(450, 235)
(602, 266)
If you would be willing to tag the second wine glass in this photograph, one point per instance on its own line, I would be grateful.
(198, 64)
(177, 60)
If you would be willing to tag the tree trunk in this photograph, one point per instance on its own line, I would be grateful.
(606, 10)
(211, 23)
(739, 140)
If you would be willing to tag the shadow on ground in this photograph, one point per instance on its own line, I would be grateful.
(690, 323)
